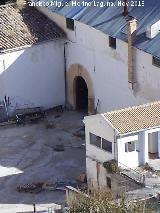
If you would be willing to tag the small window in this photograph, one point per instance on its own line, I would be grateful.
(112, 42)
(95, 140)
(70, 23)
(130, 146)
(156, 61)
(109, 182)
(106, 145)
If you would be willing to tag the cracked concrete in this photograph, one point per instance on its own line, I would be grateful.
(27, 155)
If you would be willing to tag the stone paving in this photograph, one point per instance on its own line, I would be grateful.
(27, 155)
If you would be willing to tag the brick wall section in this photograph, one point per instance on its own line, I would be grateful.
(132, 27)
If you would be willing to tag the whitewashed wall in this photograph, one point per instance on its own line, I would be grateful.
(108, 67)
(102, 129)
(129, 159)
(95, 154)
(34, 76)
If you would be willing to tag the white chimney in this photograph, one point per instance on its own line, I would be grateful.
(152, 30)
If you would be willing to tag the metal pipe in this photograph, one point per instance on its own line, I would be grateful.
(65, 73)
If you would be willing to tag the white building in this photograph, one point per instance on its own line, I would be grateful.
(95, 63)
(31, 59)
(98, 54)
(94, 68)
(131, 136)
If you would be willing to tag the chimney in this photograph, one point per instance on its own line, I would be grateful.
(132, 27)
(125, 12)
(21, 4)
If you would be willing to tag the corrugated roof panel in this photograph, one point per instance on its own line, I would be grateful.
(111, 21)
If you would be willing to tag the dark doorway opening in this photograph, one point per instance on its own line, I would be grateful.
(109, 182)
(81, 94)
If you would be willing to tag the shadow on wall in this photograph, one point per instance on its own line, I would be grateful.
(33, 77)
(9, 105)
(29, 77)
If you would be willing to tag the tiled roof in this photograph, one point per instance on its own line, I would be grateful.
(24, 27)
(135, 118)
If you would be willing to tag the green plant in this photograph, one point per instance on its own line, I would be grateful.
(148, 168)
(111, 166)
(103, 202)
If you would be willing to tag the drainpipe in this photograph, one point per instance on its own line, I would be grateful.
(132, 27)
(6, 107)
(65, 73)
(115, 138)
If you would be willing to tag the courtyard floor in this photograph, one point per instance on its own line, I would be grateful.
(27, 155)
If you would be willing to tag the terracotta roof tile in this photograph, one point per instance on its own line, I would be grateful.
(136, 118)
(24, 27)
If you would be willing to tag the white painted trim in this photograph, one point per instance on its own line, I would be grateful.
(141, 130)
(146, 154)
(129, 139)
(153, 130)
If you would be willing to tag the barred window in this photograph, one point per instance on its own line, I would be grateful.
(112, 42)
(106, 145)
(95, 140)
(70, 23)
(156, 61)
(131, 146)
(101, 142)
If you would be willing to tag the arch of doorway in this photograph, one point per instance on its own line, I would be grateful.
(77, 70)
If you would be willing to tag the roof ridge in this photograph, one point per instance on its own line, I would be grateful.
(133, 107)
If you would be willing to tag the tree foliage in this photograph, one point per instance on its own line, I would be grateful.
(102, 202)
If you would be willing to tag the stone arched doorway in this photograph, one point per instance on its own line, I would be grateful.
(78, 76)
